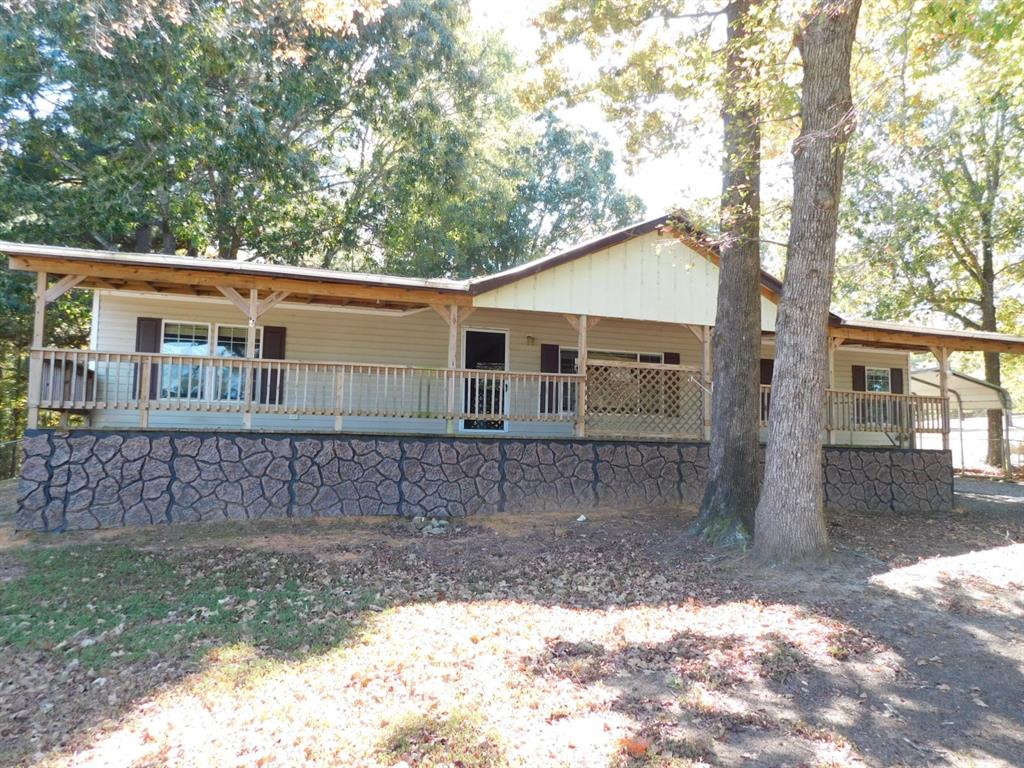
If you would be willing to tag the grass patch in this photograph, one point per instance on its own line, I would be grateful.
(457, 740)
(106, 602)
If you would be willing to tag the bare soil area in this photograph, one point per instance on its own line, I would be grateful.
(530, 640)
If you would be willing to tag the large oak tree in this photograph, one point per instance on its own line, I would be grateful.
(790, 522)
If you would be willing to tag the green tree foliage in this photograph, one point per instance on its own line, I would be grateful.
(935, 205)
(521, 193)
(254, 127)
(381, 135)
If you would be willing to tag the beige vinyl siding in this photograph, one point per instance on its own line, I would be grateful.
(846, 358)
(419, 339)
(652, 277)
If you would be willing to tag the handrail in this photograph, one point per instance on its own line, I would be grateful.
(657, 399)
(886, 412)
(86, 380)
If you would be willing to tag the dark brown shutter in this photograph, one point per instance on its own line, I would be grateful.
(271, 389)
(860, 384)
(896, 380)
(549, 358)
(148, 339)
(766, 376)
(549, 363)
(671, 358)
(860, 379)
(896, 387)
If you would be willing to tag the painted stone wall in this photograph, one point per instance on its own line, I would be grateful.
(95, 479)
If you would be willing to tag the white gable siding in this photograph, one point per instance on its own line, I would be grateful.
(651, 277)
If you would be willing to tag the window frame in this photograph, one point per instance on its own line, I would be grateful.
(868, 370)
(209, 380)
(202, 383)
(215, 370)
(216, 336)
(659, 355)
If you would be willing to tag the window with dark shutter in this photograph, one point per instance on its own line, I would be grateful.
(766, 376)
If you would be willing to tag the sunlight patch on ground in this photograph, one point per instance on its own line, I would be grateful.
(989, 580)
(548, 685)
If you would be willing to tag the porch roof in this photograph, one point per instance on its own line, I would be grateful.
(187, 276)
(874, 333)
(166, 274)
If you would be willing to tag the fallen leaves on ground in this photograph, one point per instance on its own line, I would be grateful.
(572, 645)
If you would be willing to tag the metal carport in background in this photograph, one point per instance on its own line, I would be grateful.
(970, 398)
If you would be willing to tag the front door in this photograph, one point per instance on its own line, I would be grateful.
(484, 351)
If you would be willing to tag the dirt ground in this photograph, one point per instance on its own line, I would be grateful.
(531, 640)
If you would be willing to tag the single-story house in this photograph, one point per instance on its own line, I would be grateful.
(231, 388)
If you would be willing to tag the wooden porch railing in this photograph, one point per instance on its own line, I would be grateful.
(622, 399)
(879, 412)
(87, 380)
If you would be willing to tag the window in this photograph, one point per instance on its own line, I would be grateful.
(877, 410)
(877, 380)
(569, 358)
(183, 379)
(195, 380)
(229, 381)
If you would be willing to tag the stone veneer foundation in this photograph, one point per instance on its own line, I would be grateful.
(96, 479)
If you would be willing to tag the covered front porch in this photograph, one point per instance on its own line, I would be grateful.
(612, 399)
(188, 344)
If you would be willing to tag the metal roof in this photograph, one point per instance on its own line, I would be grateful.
(971, 393)
(224, 266)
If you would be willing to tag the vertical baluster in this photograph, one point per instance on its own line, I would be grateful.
(71, 382)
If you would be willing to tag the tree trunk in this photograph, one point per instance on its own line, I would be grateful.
(989, 322)
(143, 242)
(790, 521)
(727, 510)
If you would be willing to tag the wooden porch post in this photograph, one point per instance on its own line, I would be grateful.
(252, 309)
(453, 363)
(943, 356)
(833, 345)
(35, 362)
(705, 373)
(582, 325)
(250, 354)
